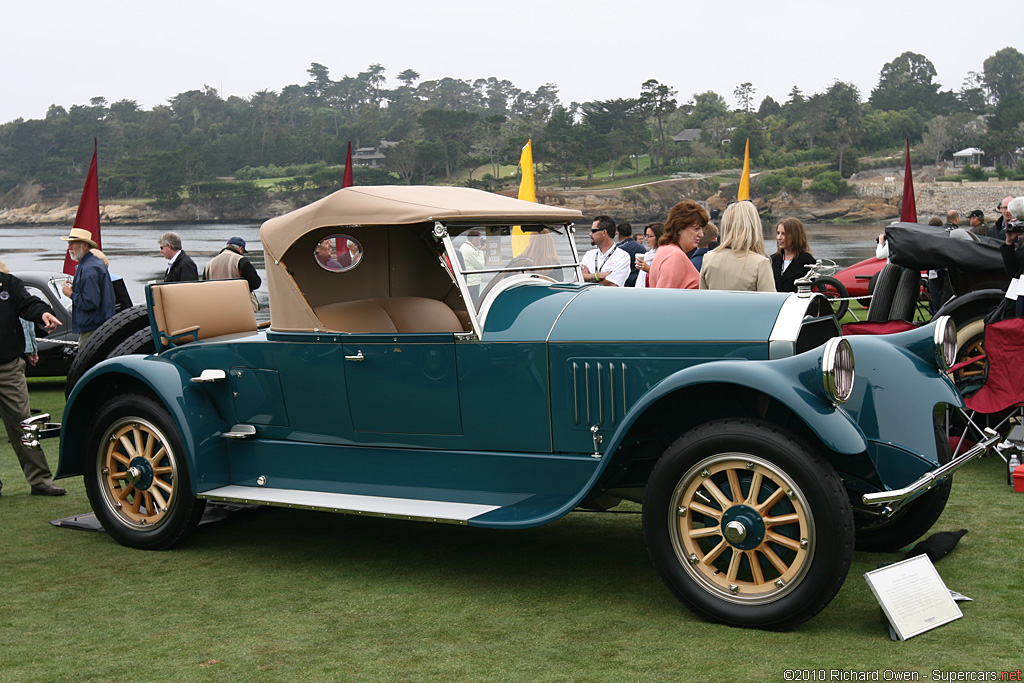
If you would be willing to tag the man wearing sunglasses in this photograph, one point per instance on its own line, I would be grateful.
(606, 264)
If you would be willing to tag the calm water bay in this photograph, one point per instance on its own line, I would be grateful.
(132, 249)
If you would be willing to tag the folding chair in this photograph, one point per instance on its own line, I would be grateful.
(1001, 396)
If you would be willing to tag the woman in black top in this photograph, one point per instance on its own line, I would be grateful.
(790, 262)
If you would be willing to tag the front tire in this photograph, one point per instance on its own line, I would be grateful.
(137, 476)
(747, 526)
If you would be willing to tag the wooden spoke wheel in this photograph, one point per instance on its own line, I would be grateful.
(138, 473)
(742, 528)
(137, 479)
(747, 525)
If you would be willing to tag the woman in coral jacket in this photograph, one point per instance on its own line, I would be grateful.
(684, 227)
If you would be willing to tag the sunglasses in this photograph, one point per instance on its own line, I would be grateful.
(597, 230)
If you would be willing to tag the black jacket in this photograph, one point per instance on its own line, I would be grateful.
(631, 247)
(183, 269)
(786, 281)
(15, 303)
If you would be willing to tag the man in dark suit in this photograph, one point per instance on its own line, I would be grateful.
(180, 266)
(631, 247)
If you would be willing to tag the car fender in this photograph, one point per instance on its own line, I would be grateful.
(971, 304)
(774, 378)
(197, 420)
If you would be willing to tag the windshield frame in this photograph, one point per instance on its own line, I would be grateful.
(447, 231)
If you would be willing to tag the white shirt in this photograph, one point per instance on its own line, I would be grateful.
(170, 261)
(614, 260)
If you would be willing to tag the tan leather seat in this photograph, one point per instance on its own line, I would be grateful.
(188, 311)
(388, 315)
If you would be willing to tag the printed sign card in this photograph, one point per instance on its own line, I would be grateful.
(913, 596)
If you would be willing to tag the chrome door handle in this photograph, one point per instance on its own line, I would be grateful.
(358, 357)
(211, 375)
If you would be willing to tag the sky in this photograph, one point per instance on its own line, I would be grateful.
(65, 53)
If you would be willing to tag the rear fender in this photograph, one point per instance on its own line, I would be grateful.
(198, 422)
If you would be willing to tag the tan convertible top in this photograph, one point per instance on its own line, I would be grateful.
(402, 205)
(391, 223)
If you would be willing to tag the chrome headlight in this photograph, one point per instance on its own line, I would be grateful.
(837, 370)
(945, 342)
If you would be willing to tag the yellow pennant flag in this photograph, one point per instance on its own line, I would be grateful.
(744, 191)
(527, 192)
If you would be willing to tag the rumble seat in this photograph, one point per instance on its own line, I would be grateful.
(189, 311)
(398, 314)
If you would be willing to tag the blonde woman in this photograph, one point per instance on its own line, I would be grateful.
(740, 263)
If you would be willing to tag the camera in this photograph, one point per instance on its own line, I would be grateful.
(1014, 227)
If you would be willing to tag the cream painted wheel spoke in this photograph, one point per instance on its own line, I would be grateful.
(160, 483)
(776, 561)
(734, 565)
(786, 541)
(716, 493)
(734, 487)
(755, 567)
(792, 518)
(755, 490)
(161, 502)
(705, 510)
(705, 532)
(770, 502)
(123, 493)
(715, 552)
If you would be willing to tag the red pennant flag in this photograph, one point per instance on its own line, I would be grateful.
(346, 181)
(88, 216)
(908, 213)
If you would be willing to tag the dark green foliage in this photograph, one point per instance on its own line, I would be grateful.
(830, 184)
(975, 173)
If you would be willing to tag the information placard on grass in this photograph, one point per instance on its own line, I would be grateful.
(913, 596)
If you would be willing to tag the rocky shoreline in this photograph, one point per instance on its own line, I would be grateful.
(876, 200)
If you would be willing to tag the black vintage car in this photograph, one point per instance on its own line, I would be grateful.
(56, 350)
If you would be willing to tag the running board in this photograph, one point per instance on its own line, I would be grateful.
(373, 506)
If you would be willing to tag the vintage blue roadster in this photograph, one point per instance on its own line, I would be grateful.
(405, 374)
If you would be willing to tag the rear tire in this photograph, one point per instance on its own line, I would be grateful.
(105, 339)
(747, 526)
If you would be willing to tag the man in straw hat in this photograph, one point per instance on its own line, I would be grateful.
(17, 304)
(91, 294)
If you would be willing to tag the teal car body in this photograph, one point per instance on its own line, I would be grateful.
(544, 394)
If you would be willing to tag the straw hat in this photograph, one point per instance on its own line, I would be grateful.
(81, 235)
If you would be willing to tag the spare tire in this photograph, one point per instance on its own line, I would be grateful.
(140, 342)
(105, 339)
(885, 290)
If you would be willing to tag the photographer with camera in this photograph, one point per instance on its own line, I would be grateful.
(1013, 249)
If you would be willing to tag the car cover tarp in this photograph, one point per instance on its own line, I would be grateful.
(925, 247)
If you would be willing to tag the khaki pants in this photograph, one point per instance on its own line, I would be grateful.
(14, 406)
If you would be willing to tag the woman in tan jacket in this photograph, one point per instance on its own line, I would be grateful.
(740, 263)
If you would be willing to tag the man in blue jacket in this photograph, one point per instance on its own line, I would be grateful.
(92, 293)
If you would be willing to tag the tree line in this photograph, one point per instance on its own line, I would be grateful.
(441, 127)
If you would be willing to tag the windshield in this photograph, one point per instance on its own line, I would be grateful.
(489, 254)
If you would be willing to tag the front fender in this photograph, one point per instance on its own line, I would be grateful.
(197, 420)
(897, 388)
(805, 397)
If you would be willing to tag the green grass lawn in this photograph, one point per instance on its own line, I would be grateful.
(283, 595)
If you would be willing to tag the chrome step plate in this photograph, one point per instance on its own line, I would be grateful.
(376, 506)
